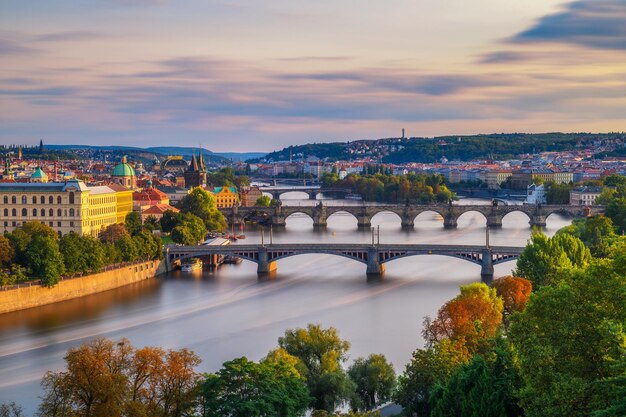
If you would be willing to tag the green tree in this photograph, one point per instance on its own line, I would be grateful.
(7, 253)
(616, 211)
(22, 236)
(127, 249)
(148, 245)
(189, 231)
(485, 387)
(44, 259)
(568, 337)
(557, 193)
(544, 258)
(170, 220)
(374, 379)
(427, 368)
(202, 204)
(243, 388)
(321, 353)
(152, 223)
(81, 253)
(263, 201)
(133, 223)
(112, 233)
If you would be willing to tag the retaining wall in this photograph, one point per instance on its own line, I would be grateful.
(36, 295)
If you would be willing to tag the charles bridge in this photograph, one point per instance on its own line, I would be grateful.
(277, 215)
(375, 256)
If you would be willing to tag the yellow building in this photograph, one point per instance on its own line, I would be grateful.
(124, 201)
(495, 178)
(67, 207)
(225, 196)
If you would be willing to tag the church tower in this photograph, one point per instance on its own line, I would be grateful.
(195, 176)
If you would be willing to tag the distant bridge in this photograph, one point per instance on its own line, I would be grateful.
(313, 191)
(320, 213)
(374, 256)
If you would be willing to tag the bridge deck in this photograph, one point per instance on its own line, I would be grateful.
(343, 246)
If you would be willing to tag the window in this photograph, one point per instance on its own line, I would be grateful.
(50, 224)
(42, 200)
(6, 200)
(6, 212)
(71, 198)
(59, 200)
(23, 199)
(23, 212)
(51, 213)
(43, 212)
(34, 212)
(59, 225)
(13, 200)
(71, 224)
(59, 213)
(6, 224)
(34, 200)
(50, 200)
(71, 212)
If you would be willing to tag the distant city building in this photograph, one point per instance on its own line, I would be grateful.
(536, 194)
(584, 196)
(225, 196)
(39, 176)
(173, 163)
(195, 175)
(495, 178)
(249, 195)
(124, 174)
(157, 211)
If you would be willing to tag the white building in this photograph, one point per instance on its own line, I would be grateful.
(536, 194)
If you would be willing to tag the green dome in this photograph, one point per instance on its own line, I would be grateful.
(123, 169)
(39, 174)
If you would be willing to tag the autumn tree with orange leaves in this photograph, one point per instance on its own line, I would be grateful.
(515, 292)
(106, 378)
(471, 318)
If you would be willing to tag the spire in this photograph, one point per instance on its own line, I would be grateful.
(194, 163)
(200, 161)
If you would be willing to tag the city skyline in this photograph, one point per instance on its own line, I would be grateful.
(252, 77)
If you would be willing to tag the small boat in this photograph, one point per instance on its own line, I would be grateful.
(240, 236)
(193, 264)
(229, 259)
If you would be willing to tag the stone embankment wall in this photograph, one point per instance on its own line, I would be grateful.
(35, 295)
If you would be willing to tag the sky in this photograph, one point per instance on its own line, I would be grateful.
(258, 75)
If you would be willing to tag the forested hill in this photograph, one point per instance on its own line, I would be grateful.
(493, 146)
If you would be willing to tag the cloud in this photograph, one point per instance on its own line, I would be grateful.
(10, 47)
(502, 57)
(67, 36)
(590, 23)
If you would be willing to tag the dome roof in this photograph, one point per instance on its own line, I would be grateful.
(123, 169)
(39, 174)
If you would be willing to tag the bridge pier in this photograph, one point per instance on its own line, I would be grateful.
(494, 221)
(408, 222)
(313, 195)
(374, 267)
(265, 266)
(449, 221)
(363, 220)
(538, 221)
(278, 220)
(319, 221)
(486, 270)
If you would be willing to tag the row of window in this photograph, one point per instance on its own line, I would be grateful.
(51, 224)
(42, 199)
(42, 212)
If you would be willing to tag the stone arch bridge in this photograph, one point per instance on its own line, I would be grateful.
(320, 213)
(312, 191)
(374, 256)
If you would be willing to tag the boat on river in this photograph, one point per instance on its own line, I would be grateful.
(193, 264)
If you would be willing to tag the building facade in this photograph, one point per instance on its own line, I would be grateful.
(195, 175)
(249, 196)
(124, 174)
(66, 207)
(584, 196)
(225, 196)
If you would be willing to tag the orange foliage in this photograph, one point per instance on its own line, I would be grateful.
(472, 317)
(514, 291)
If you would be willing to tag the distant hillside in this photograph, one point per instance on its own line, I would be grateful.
(463, 148)
(187, 152)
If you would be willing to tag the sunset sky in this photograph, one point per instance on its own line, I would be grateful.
(258, 75)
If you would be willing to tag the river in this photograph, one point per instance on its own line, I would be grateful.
(228, 313)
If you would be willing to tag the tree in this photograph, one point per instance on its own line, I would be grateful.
(427, 368)
(112, 233)
(44, 259)
(472, 318)
(81, 253)
(148, 245)
(263, 201)
(170, 220)
(320, 353)
(107, 378)
(133, 223)
(568, 338)
(243, 388)
(7, 252)
(484, 387)
(616, 211)
(515, 292)
(127, 249)
(22, 236)
(557, 193)
(11, 410)
(202, 204)
(375, 380)
(189, 231)
(152, 223)
(542, 260)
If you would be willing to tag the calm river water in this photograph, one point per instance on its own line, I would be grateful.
(227, 313)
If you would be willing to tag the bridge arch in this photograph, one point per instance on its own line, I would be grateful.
(433, 216)
(343, 212)
(556, 219)
(387, 213)
(509, 218)
(473, 259)
(299, 215)
(353, 256)
(466, 218)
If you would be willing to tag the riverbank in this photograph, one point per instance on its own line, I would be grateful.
(22, 297)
